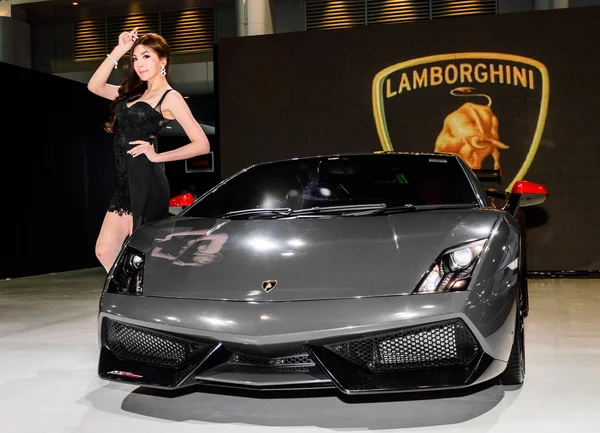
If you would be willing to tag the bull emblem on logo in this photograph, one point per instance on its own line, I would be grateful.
(471, 131)
(269, 285)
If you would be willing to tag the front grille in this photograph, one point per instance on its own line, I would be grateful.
(442, 344)
(132, 343)
(296, 361)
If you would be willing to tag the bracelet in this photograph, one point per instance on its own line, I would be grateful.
(116, 63)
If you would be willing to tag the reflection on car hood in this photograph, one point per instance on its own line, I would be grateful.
(310, 259)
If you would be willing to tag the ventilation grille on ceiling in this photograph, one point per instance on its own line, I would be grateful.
(190, 30)
(395, 11)
(326, 14)
(146, 23)
(334, 14)
(445, 8)
(186, 31)
(90, 39)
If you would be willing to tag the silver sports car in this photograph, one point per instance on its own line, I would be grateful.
(369, 273)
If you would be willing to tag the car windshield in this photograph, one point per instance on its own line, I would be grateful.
(389, 179)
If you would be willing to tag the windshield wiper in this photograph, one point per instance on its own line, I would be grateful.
(328, 209)
(412, 207)
(384, 209)
(285, 212)
(346, 210)
(282, 211)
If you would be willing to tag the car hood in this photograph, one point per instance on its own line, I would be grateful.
(309, 258)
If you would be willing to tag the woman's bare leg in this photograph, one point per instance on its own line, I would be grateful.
(114, 231)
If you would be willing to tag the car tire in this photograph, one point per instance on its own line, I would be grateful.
(515, 370)
(523, 262)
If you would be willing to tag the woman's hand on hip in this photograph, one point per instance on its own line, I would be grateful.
(143, 147)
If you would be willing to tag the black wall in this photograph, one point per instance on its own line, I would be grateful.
(57, 173)
(204, 109)
(307, 93)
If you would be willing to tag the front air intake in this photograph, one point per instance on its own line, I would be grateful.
(441, 344)
(295, 362)
(132, 343)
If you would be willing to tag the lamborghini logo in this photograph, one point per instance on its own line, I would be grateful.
(488, 108)
(269, 285)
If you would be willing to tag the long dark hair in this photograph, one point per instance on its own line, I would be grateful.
(132, 87)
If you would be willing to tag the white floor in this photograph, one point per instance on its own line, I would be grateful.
(48, 383)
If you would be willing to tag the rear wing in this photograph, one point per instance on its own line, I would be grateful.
(494, 176)
(488, 175)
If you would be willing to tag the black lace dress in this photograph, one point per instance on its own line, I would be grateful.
(142, 188)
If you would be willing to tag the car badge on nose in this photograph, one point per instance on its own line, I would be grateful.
(269, 285)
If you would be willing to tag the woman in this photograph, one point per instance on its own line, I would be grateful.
(142, 105)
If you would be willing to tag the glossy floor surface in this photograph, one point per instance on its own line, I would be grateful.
(48, 383)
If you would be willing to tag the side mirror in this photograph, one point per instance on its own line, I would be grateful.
(177, 203)
(524, 193)
(531, 193)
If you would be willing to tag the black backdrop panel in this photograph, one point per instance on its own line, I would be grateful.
(516, 91)
(57, 175)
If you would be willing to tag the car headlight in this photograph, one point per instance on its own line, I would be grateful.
(127, 276)
(452, 270)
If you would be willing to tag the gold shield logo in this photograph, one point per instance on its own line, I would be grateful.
(488, 108)
(269, 285)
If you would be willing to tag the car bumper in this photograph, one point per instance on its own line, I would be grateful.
(359, 346)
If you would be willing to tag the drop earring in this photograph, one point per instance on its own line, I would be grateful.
(163, 71)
